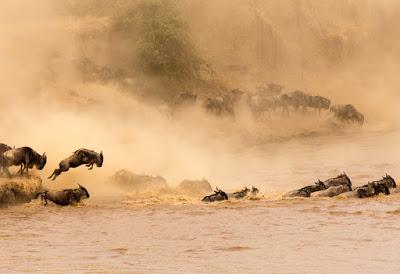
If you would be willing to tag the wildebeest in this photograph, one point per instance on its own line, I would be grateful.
(334, 186)
(80, 157)
(3, 148)
(376, 187)
(25, 157)
(306, 191)
(240, 194)
(254, 191)
(299, 100)
(347, 114)
(342, 179)
(319, 103)
(64, 197)
(332, 191)
(218, 195)
(220, 105)
(372, 189)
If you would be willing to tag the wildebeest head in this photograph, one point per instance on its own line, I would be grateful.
(41, 161)
(390, 181)
(84, 191)
(221, 193)
(254, 190)
(320, 102)
(100, 159)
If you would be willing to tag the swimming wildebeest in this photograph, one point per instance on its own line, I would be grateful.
(64, 197)
(25, 157)
(80, 157)
(332, 191)
(334, 186)
(347, 114)
(376, 187)
(3, 148)
(306, 191)
(240, 194)
(254, 191)
(218, 195)
(342, 179)
(328, 188)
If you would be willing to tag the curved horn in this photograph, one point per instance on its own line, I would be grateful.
(44, 154)
(101, 153)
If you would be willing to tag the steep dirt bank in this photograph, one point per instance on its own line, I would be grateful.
(19, 189)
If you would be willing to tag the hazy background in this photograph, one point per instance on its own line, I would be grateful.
(98, 74)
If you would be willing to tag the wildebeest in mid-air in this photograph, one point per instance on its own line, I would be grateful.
(80, 157)
(218, 195)
(3, 148)
(64, 197)
(25, 157)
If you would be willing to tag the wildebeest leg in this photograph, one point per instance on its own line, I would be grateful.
(63, 167)
(55, 174)
(90, 166)
(21, 169)
(26, 164)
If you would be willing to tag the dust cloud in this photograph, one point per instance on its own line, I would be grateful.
(77, 74)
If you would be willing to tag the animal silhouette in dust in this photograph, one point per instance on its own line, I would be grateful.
(80, 157)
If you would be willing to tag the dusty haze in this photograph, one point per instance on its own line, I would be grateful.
(345, 50)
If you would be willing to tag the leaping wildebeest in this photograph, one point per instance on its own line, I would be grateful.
(80, 157)
(25, 157)
(64, 197)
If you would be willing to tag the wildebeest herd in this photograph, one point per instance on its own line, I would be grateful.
(267, 100)
(341, 185)
(27, 158)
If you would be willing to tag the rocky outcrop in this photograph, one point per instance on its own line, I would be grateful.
(21, 189)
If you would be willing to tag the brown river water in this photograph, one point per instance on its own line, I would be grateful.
(269, 235)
